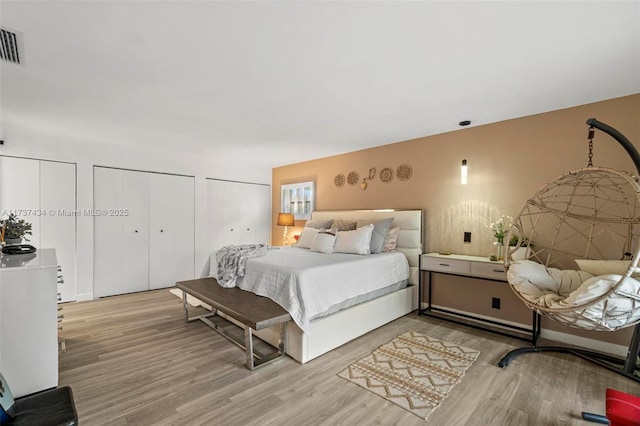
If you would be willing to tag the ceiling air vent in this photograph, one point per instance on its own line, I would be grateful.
(11, 47)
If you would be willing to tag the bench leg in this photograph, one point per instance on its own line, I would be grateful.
(185, 304)
(248, 346)
(254, 360)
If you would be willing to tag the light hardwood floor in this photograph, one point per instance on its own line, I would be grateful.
(132, 360)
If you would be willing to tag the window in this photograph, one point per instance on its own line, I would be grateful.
(298, 198)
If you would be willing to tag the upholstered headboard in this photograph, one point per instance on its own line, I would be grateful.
(409, 238)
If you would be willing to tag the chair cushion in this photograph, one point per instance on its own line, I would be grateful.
(48, 408)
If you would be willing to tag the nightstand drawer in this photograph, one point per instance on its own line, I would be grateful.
(495, 271)
(451, 266)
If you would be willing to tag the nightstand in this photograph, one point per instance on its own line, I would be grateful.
(467, 267)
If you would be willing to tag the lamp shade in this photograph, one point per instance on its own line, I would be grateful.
(286, 219)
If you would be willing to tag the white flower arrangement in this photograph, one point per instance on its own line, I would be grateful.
(500, 228)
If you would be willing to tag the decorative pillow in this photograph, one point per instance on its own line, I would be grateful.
(306, 238)
(391, 240)
(603, 267)
(343, 225)
(355, 242)
(323, 242)
(380, 230)
(318, 224)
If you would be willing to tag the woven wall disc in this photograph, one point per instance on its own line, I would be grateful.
(386, 174)
(353, 178)
(339, 180)
(404, 172)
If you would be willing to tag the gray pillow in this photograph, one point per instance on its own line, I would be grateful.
(380, 230)
(318, 224)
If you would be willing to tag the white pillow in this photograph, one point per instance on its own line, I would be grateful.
(603, 267)
(355, 242)
(323, 242)
(306, 238)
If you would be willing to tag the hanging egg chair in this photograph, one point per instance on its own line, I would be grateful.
(582, 267)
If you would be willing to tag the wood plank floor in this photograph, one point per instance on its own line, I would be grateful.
(132, 360)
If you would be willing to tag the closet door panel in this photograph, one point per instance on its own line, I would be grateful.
(215, 214)
(135, 246)
(108, 233)
(238, 213)
(183, 231)
(171, 230)
(161, 229)
(58, 226)
(262, 218)
(20, 192)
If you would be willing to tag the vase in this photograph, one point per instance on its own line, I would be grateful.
(521, 254)
(13, 241)
(500, 248)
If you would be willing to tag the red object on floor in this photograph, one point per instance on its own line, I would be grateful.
(622, 409)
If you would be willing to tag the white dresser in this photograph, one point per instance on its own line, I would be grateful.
(28, 321)
(471, 267)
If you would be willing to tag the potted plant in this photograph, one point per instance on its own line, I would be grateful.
(14, 230)
(523, 249)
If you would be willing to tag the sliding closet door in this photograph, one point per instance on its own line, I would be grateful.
(171, 229)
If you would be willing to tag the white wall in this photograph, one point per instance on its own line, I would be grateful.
(23, 142)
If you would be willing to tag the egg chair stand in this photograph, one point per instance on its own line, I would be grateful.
(586, 214)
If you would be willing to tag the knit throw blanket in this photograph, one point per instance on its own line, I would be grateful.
(232, 260)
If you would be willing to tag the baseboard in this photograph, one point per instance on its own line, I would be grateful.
(84, 297)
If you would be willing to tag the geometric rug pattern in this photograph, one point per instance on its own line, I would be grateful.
(413, 371)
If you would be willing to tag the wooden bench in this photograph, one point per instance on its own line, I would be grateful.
(252, 311)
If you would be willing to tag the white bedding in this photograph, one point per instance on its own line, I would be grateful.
(306, 283)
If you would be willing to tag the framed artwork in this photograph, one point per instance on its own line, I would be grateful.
(298, 198)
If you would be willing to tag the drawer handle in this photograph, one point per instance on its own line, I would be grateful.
(498, 270)
(444, 264)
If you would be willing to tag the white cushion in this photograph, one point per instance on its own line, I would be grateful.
(306, 238)
(323, 242)
(528, 271)
(355, 242)
(591, 289)
(603, 267)
(534, 279)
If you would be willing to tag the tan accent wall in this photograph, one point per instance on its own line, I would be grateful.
(507, 162)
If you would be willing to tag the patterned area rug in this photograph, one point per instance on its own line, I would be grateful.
(414, 371)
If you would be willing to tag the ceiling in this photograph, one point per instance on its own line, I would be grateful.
(283, 82)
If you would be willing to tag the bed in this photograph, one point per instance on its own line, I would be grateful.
(382, 294)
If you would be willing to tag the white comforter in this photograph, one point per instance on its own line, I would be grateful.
(306, 283)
